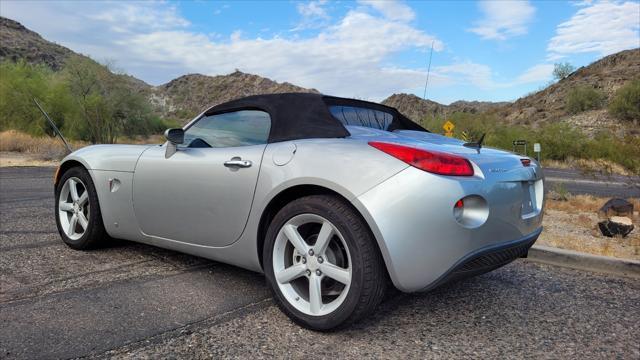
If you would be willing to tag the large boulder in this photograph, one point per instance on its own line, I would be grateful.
(616, 225)
(616, 207)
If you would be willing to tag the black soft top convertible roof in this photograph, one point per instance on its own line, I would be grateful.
(306, 116)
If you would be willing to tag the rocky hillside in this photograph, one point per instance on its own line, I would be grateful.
(607, 75)
(476, 106)
(17, 42)
(188, 95)
(416, 108)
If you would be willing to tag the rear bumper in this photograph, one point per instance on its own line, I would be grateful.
(487, 259)
(411, 216)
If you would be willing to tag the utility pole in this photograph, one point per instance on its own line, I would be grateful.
(424, 96)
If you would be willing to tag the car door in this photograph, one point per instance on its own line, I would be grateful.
(202, 194)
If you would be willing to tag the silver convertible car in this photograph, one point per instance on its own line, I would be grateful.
(333, 199)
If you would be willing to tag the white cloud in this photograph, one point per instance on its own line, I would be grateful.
(602, 27)
(313, 9)
(482, 76)
(536, 73)
(503, 19)
(348, 57)
(132, 17)
(392, 9)
(345, 59)
(313, 15)
(467, 72)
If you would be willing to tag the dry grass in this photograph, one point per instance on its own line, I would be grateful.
(43, 148)
(599, 166)
(573, 225)
(579, 204)
(21, 149)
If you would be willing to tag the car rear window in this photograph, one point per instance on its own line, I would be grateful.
(361, 116)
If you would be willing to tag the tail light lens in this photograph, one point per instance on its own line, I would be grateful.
(525, 162)
(430, 161)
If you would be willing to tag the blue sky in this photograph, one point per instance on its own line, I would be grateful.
(485, 50)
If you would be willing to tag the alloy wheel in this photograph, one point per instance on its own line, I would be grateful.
(73, 208)
(312, 264)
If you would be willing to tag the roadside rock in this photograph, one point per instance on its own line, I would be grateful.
(616, 207)
(616, 225)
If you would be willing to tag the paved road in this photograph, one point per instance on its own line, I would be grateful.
(133, 301)
(578, 182)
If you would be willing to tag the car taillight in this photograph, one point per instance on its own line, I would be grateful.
(525, 162)
(430, 161)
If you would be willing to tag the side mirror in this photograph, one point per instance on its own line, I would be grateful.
(174, 137)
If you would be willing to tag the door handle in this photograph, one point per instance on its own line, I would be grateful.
(237, 163)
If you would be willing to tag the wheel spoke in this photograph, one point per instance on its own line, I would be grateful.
(73, 189)
(294, 237)
(315, 294)
(336, 273)
(82, 220)
(65, 206)
(83, 198)
(72, 225)
(324, 237)
(291, 273)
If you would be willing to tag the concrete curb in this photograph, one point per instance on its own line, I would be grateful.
(582, 261)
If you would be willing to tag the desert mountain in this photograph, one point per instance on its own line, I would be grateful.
(549, 104)
(417, 108)
(17, 42)
(607, 75)
(181, 98)
(188, 95)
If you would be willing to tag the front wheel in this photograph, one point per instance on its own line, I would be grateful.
(77, 210)
(322, 263)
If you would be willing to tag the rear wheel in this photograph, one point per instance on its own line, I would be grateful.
(77, 210)
(322, 263)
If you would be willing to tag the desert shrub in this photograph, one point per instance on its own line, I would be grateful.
(562, 70)
(20, 83)
(625, 104)
(583, 98)
(86, 100)
(559, 141)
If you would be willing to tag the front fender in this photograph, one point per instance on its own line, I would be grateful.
(108, 157)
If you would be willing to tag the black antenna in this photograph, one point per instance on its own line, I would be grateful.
(53, 125)
(424, 96)
(477, 144)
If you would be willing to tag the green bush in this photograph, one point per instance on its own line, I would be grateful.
(583, 98)
(86, 100)
(625, 104)
(20, 83)
(562, 70)
(559, 141)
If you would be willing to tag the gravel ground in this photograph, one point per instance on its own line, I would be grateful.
(136, 301)
(523, 310)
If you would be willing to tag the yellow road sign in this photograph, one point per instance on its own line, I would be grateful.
(448, 126)
(465, 136)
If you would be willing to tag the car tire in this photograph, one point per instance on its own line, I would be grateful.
(79, 207)
(351, 247)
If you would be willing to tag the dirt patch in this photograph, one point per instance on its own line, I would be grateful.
(572, 225)
(8, 158)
